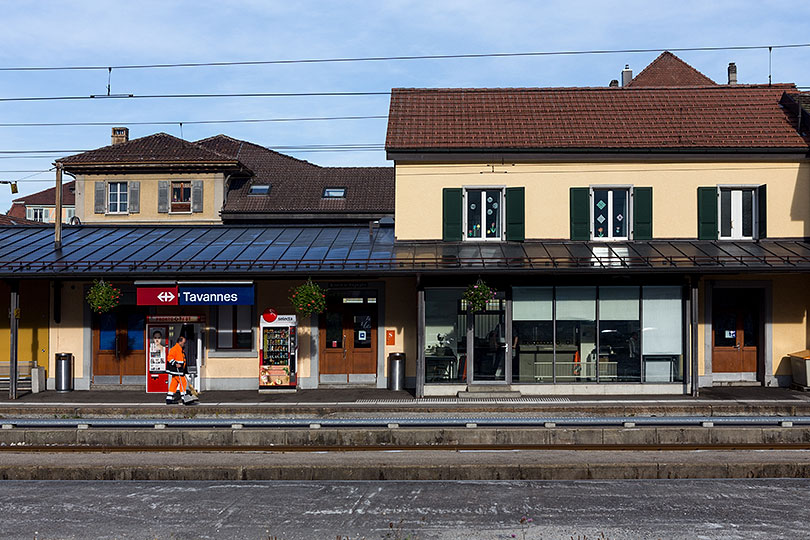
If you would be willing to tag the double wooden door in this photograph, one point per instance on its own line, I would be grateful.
(348, 340)
(119, 345)
(735, 330)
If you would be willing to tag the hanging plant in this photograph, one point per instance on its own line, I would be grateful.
(308, 298)
(477, 295)
(103, 297)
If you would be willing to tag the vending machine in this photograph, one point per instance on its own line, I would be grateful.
(162, 332)
(279, 350)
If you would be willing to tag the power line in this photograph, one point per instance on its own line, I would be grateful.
(194, 96)
(400, 58)
(319, 94)
(272, 147)
(184, 122)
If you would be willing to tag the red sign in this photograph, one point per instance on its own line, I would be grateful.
(390, 337)
(157, 296)
(269, 315)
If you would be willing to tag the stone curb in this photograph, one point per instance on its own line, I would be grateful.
(572, 471)
(265, 410)
(399, 437)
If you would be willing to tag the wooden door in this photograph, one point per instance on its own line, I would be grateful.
(119, 343)
(348, 339)
(735, 331)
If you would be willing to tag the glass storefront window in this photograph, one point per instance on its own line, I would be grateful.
(575, 343)
(568, 334)
(619, 328)
(662, 336)
(532, 334)
(445, 337)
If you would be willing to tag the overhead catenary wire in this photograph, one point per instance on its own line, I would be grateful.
(195, 122)
(200, 96)
(400, 58)
(522, 173)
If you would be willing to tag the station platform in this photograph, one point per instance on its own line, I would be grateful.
(726, 400)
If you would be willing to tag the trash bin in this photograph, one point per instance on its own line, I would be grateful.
(800, 366)
(396, 371)
(64, 372)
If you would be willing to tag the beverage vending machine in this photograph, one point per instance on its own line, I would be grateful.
(162, 332)
(279, 350)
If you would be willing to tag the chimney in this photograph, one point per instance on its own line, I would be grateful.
(614, 83)
(732, 73)
(120, 135)
(627, 75)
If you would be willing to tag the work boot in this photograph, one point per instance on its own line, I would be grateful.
(188, 399)
(170, 400)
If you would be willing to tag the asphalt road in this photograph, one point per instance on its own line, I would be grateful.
(638, 509)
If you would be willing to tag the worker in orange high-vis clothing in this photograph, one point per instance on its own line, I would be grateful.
(176, 367)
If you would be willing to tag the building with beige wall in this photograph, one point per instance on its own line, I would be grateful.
(644, 239)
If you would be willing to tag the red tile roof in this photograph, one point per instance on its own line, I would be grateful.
(159, 148)
(297, 185)
(11, 220)
(669, 70)
(46, 197)
(591, 119)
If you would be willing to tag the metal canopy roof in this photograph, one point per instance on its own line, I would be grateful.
(226, 250)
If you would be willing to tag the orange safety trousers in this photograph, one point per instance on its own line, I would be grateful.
(178, 381)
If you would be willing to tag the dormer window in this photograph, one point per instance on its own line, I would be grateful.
(263, 189)
(334, 193)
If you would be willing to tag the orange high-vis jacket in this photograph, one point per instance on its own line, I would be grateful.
(176, 354)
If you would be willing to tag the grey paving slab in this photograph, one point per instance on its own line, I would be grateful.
(469, 510)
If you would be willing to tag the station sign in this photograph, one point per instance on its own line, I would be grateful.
(157, 296)
(224, 295)
(196, 295)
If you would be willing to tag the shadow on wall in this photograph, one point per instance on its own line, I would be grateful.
(791, 296)
(800, 206)
(34, 316)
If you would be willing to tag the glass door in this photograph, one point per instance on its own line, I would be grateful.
(490, 342)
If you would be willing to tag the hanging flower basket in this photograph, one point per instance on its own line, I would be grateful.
(308, 298)
(477, 295)
(103, 297)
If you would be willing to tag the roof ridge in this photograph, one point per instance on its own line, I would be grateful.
(713, 87)
(259, 146)
(161, 134)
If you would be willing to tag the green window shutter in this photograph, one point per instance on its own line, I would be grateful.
(762, 211)
(516, 214)
(642, 213)
(707, 213)
(580, 213)
(451, 214)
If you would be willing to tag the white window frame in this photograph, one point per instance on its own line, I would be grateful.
(118, 195)
(754, 211)
(70, 212)
(190, 197)
(30, 213)
(629, 217)
(502, 211)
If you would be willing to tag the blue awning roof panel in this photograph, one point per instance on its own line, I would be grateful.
(253, 250)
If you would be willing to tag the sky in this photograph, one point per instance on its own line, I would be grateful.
(81, 33)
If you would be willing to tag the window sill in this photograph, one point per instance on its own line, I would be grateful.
(232, 353)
